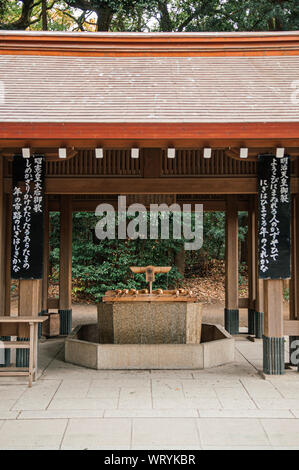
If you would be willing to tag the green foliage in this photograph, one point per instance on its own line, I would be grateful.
(152, 15)
(286, 294)
(200, 261)
(102, 265)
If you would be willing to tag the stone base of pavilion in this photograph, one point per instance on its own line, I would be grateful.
(216, 348)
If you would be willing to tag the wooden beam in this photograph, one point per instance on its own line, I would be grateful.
(149, 45)
(65, 272)
(50, 145)
(152, 131)
(86, 205)
(254, 152)
(51, 154)
(244, 185)
(291, 327)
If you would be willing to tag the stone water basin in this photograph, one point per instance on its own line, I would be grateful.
(216, 348)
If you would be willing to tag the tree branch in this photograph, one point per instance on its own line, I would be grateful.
(24, 21)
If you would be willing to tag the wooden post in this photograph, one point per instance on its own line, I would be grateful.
(231, 266)
(273, 339)
(29, 297)
(3, 218)
(65, 272)
(45, 281)
(251, 266)
(29, 306)
(294, 281)
(259, 298)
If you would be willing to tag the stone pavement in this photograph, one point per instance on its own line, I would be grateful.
(228, 407)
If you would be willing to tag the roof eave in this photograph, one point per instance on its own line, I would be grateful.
(149, 44)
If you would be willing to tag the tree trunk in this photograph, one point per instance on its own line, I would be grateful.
(24, 21)
(165, 20)
(44, 16)
(105, 16)
(180, 261)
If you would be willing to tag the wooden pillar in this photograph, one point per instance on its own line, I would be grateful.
(65, 271)
(273, 339)
(29, 297)
(251, 266)
(3, 218)
(45, 281)
(29, 306)
(259, 298)
(231, 266)
(294, 281)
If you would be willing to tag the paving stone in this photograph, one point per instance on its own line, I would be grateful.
(282, 432)
(60, 414)
(8, 414)
(95, 434)
(236, 404)
(83, 403)
(32, 434)
(6, 404)
(152, 413)
(165, 433)
(239, 413)
(276, 403)
(38, 397)
(11, 391)
(135, 398)
(73, 389)
(231, 432)
(179, 403)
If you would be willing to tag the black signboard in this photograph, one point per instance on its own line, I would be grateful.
(28, 178)
(274, 216)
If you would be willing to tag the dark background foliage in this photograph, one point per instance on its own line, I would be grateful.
(150, 15)
(99, 266)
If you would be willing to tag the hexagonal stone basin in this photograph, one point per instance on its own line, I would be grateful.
(216, 347)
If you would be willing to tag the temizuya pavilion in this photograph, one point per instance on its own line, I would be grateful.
(227, 102)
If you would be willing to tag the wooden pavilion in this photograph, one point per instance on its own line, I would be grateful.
(63, 95)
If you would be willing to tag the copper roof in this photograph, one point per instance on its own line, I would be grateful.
(148, 89)
(149, 44)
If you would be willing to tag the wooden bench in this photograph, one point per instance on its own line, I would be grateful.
(25, 327)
